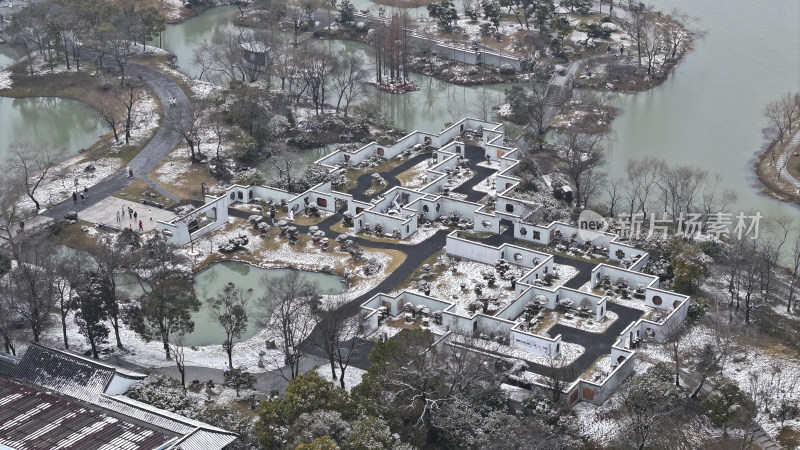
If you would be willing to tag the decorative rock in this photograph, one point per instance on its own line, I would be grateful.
(71, 215)
(84, 228)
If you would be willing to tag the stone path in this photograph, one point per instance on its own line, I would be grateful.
(781, 162)
(148, 158)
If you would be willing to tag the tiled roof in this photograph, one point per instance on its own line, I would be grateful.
(33, 419)
(63, 372)
(8, 363)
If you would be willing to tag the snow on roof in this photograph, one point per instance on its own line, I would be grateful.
(63, 372)
(80, 386)
(31, 418)
(197, 435)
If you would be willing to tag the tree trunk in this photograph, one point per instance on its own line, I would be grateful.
(64, 330)
(115, 324)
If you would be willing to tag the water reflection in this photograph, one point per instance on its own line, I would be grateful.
(48, 120)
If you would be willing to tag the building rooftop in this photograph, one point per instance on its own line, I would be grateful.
(33, 418)
(55, 399)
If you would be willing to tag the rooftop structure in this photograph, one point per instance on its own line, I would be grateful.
(55, 399)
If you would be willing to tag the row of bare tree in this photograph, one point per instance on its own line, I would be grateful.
(58, 29)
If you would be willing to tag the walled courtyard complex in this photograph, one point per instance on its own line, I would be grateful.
(491, 285)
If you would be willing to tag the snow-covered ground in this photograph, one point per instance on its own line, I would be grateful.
(447, 286)
(352, 375)
(59, 185)
(417, 174)
(569, 351)
(565, 273)
(487, 185)
(5, 79)
(584, 324)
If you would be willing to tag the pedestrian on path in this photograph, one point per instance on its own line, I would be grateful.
(118, 219)
(150, 211)
(130, 213)
(86, 191)
(141, 228)
(75, 197)
(129, 172)
(83, 199)
(135, 215)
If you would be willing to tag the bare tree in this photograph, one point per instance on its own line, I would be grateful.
(290, 298)
(178, 352)
(581, 152)
(7, 324)
(783, 113)
(614, 191)
(641, 176)
(30, 165)
(32, 283)
(189, 124)
(349, 80)
(484, 103)
(108, 114)
(680, 188)
(129, 95)
(230, 309)
(676, 31)
(715, 198)
(636, 25)
(338, 335)
(70, 269)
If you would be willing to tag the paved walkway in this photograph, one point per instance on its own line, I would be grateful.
(105, 212)
(781, 162)
(148, 158)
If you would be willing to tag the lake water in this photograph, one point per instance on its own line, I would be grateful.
(8, 55)
(428, 109)
(708, 113)
(48, 120)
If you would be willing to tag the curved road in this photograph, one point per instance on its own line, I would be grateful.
(148, 158)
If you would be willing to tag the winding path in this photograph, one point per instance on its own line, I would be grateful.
(782, 161)
(148, 158)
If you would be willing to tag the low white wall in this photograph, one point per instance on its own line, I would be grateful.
(537, 345)
(616, 273)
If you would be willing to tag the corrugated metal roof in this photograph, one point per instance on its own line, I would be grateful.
(110, 421)
(151, 414)
(33, 419)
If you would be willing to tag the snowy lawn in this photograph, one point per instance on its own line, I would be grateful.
(352, 375)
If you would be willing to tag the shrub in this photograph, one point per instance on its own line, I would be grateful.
(507, 69)
(249, 177)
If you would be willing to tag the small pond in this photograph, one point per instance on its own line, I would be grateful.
(48, 120)
(210, 281)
